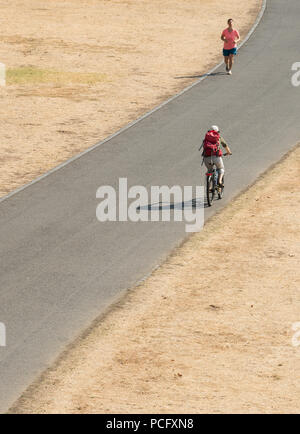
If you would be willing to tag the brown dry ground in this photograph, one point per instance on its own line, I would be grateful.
(78, 70)
(210, 331)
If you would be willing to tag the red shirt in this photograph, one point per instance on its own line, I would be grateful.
(231, 37)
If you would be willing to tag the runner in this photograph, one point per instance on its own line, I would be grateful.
(230, 36)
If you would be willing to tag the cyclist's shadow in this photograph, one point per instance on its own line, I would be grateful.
(195, 203)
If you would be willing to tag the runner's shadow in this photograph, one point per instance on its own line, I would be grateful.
(211, 74)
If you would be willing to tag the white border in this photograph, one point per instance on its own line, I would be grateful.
(60, 166)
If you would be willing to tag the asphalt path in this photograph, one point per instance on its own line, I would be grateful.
(61, 267)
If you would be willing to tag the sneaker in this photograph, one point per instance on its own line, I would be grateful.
(229, 72)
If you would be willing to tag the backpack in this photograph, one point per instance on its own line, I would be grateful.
(211, 144)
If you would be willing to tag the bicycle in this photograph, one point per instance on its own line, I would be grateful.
(212, 187)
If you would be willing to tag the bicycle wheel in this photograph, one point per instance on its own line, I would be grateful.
(220, 192)
(210, 190)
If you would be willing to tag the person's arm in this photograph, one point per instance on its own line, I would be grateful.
(238, 37)
(201, 146)
(225, 146)
(228, 151)
(223, 37)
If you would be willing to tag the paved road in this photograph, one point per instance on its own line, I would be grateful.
(60, 267)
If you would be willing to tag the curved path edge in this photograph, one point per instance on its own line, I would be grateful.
(131, 124)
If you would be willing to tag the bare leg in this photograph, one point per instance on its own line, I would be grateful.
(230, 61)
(220, 178)
(221, 170)
(226, 60)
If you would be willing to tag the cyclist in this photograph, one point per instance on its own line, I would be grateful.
(212, 153)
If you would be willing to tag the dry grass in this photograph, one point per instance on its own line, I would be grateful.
(34, 76)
